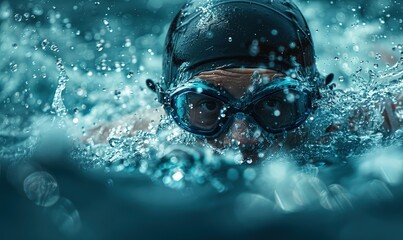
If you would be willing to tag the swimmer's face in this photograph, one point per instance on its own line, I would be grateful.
(246, 135)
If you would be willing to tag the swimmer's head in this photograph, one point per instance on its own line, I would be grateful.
(232, 73)
(223, 34)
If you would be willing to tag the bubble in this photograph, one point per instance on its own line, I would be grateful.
(290, 98)
(15, 46)
(232, 174)
(230, 39)
(177, 176)
(249, 174)
(18, 17)
(65, 216)
(109, 182)
(274, 32)
(277, 113)
(41, 188)
(37, 10)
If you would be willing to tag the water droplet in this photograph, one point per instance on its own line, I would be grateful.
(274, 32)
(107, 24)
(399, 112)
(277, 113)
(130, 75)
(113, 142)
(41, 188)
(336, 58)
(13, 66)
(99, 46)
(254, 48)
(209, 34)
(15, 46)
(97, 3)
(44, 44)
(150, 51)
(54, 48)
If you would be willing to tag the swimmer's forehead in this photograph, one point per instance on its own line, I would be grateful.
(236, 76)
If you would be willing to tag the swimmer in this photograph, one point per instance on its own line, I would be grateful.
(243, 73)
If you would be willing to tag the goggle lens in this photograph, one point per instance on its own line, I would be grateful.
(198, 111)
(281, 110)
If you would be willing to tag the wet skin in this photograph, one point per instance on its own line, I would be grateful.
(249, 138)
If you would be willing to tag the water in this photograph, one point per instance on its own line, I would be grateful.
(69, 69)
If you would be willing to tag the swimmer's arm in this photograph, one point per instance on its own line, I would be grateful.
(391, 121)
(127, 126)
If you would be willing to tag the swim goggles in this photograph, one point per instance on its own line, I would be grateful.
(208, 110)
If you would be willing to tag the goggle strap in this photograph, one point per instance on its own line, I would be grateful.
(155, 87)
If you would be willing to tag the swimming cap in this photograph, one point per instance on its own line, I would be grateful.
(213, 34)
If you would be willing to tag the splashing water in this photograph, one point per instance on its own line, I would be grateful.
(101, 65)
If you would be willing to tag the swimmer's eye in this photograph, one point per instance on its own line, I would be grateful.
(270, 104)
(207, 106)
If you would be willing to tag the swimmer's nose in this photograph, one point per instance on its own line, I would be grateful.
(244, 131)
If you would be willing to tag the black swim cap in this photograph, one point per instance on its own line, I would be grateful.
(211, 34)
